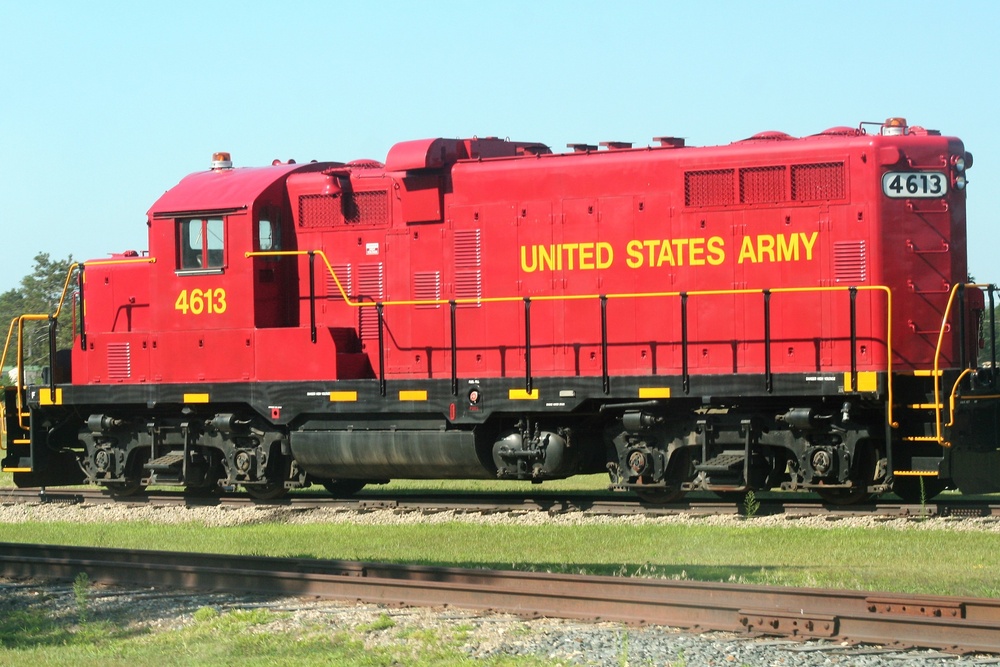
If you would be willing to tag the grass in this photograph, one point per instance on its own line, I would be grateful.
(908, 561)
(249, 638)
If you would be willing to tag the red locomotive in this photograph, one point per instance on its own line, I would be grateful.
(775, 313)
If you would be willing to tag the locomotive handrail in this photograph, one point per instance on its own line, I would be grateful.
(956, 289)
(380, 305)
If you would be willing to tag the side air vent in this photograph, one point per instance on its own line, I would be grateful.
(427, 287)
(344, 274)
(119, 361)
(371, 286)
(468, 266)
(850, 262)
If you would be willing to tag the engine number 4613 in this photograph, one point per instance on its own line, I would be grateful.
(208, 301)
(905, 184)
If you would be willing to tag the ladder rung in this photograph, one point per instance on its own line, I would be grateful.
(21, 442)
(925, 406)
(921, 438)
(927, 373)
(915, 473)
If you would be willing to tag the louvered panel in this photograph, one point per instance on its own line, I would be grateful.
(427, 287)
(119, 361)
(345, 275)
(371, 287)
(850, 262)
(468, 250)
(319, 211)
(469, 285)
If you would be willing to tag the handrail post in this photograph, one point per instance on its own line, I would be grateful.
(854, 337)
(527, 344)
(605, 377)
(963, 352)
(767, 340)
(52, 357)
(993, 338)
(381, 348)
(83, 329)
(312, 296)
(685, 374)
(454, 348)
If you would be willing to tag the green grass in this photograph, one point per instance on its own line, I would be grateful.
(249, 638)
(938, 562)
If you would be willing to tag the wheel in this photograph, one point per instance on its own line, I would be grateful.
(679, 470)
(908, 488)
(269, 491)
(341, 488)
(133, 477)
(867, 470)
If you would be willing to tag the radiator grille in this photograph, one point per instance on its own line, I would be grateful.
(349, 208)
(469, 285)
(709, 188)
(119, 361)
(850, 261)
(760, 185)
(823, 180)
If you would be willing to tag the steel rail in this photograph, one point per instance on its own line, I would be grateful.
(960, 625)
(493, 503)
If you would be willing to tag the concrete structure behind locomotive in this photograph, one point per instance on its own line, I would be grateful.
(775, 312)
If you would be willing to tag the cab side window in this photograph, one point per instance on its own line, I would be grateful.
(200, 242)
(268, 232)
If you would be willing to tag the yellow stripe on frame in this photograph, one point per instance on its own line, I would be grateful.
(413, 395)
(522, 395)
(343, 396)
(45, 396)
(17, 470)
(867, 381)
(196, 398)
(654, 392)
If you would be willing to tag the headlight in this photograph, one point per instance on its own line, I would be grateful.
(958, 162)
(960, 182)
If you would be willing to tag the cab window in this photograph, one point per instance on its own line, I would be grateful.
(268, 232)
(201, 242)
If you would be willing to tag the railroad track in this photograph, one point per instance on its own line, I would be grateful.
(483, 503)
(959, 625)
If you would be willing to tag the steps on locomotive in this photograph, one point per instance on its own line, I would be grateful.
(166, 463)
(726, 462)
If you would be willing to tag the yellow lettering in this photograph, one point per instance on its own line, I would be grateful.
(716, 250)
(788, 248)
(808, 243)
(634, 250)
(765, 244)
(679, 245)
(534, 259)
(548, 259)
(652, 243)
(696, 251)
(568, 248)
(605, 255)
(586, 256)
(747, 251)
(666, 256)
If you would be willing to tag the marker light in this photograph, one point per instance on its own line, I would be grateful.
(221, 160)
(960, 182)
(894, 126)
(958, 162)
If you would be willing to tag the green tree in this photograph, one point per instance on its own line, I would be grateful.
(38, 294)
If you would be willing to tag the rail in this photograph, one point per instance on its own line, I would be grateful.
(603, 299)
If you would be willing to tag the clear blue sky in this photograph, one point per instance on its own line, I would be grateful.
(107, 104)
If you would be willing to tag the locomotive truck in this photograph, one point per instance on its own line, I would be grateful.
(776, 313)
